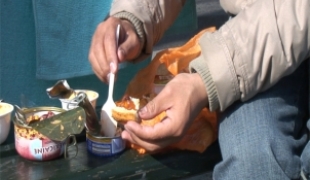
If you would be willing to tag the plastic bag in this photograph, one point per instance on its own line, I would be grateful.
(203, 130)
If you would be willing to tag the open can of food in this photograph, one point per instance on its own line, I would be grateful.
(32, 145)
(104, 146)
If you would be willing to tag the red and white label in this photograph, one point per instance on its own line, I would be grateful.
(37, 149)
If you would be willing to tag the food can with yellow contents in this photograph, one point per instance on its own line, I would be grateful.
(104, 146)
(32, 145)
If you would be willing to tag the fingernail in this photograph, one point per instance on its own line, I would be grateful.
(112, 67)
(120, 54)
(124, 127)
(127, 128)
(143, 110)
(108, 77)
(126, 136)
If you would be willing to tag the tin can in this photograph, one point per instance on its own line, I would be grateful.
(68, 104)
(104, 146)
(32, 145)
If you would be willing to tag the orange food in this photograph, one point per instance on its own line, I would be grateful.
(126, 110)
(127, 103)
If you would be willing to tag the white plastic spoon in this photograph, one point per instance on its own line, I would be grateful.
(108, 124)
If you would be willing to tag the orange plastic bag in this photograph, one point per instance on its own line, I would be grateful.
(203, 131)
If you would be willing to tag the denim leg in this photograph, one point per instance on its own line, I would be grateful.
(263, 138)
(305, 157)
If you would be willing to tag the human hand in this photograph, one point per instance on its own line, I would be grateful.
(104, 55)
(182, 99)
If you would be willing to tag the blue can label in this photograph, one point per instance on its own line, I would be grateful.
(106, 148)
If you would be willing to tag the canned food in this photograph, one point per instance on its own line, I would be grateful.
(104, 146)
(32, 145)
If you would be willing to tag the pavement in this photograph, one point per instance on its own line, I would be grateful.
(209, 13)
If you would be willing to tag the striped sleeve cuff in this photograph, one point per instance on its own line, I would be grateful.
(199, 66)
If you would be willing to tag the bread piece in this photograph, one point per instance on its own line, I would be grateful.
(123, 115)
(126, 110)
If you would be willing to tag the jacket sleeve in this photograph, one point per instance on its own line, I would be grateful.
(265, 41)
(155, 15)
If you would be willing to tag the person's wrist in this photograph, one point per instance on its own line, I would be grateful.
(137, 24)
(201, 90)
(200, 67)
(135, 45)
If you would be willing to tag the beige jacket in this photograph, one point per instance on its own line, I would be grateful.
(265, 41)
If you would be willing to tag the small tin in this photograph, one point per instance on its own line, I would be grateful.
(68, 104)
(104, 146)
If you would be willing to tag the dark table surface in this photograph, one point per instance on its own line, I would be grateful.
(126, 165)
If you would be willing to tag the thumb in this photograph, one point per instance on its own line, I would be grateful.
(129, 49)
(121, 55)
(154, 107)
(129, 44)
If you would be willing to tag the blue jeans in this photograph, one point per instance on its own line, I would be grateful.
(266, 137)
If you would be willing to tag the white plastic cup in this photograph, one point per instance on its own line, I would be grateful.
(5, 120)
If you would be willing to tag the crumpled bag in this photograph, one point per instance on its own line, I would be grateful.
(203, 131)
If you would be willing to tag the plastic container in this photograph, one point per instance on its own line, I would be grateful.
(5, 120)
